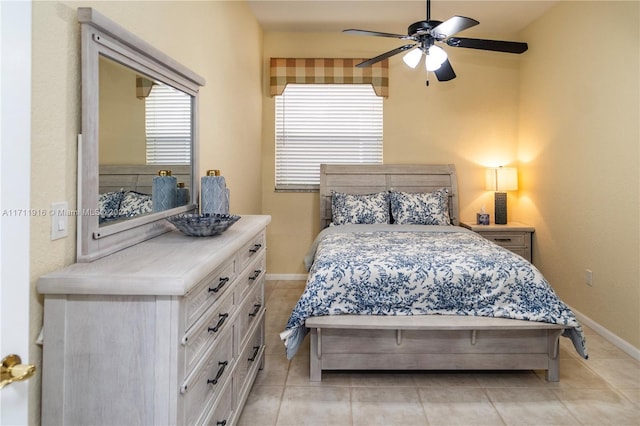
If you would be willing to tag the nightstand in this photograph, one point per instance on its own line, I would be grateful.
(514, 236)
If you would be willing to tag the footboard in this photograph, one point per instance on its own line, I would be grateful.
(432, 342)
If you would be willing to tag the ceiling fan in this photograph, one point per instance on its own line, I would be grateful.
(426, 33)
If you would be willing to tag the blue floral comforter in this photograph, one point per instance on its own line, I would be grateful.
(420, 270)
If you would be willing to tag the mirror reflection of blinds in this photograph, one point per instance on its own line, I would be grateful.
(168, 126)
(325, 123)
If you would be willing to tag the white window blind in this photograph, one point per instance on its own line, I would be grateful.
(168, 126)
(325, 123)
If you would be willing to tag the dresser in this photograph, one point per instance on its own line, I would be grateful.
(514, 236)
(169, 331)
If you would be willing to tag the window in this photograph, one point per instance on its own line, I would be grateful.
(168, 126)
(325, 123)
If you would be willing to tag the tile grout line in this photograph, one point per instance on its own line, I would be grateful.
(284, 386)
(424, 408)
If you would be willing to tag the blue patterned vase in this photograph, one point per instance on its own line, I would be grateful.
(163, 191)
(215, 195)
(182, 195)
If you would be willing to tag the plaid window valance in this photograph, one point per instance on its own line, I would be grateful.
(328, 71)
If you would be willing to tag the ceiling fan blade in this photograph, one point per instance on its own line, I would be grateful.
(453, 26)
(494, 45)
(377, 33)
(385, 55)
(445, 72)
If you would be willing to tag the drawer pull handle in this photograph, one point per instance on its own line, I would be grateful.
(221, 423)
(214, 381)
(223, 281)
(256, 309)
(252, 358)
(255, 248)
(215, 329)
(503, 240)
(255, 275)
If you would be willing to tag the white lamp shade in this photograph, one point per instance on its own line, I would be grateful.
(435, 57)
(501, 179)
(412, 58)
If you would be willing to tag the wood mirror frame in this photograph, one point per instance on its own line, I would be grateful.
(102, 37)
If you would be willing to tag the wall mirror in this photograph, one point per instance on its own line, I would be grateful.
(139, 117)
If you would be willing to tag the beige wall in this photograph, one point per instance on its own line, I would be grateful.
(122, 116)
(203, 36)
(470, 122)
(579, 157)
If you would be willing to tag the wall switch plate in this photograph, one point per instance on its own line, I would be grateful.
(588, 277)
(59, 220)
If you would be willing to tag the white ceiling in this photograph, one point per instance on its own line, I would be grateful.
(394, 16)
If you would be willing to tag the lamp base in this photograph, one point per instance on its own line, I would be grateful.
(501, 208)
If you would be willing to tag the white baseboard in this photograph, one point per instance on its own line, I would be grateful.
(612, 338)
(286, 277)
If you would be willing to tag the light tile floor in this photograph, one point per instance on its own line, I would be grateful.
(604, 390)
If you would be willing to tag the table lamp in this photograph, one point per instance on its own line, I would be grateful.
(500, 180)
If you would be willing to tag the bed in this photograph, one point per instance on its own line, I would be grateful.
(397, 285)
(125, 190)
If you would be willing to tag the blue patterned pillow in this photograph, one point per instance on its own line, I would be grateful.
(109, 204)
(358, 209)
(424, 208)
(134, 204)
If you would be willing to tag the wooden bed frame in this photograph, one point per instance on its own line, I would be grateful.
(430, 342)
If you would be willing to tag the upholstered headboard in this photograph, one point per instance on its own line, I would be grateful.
(372, 178)
(137, 177)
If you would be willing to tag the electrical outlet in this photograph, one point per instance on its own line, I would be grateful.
(588, 277)
(59, 220)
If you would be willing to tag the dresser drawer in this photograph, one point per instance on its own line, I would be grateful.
(252, 275)
(208, 291)
(506, 239)
(207, 383)
(251, 250)
(204, 333)
(222, 412)
(250, 311)
(249, 360)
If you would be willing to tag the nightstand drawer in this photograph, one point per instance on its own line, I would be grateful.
(506, 239)
(524, 252)
(514, 236)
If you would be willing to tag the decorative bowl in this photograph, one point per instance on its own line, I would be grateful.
(203, 225)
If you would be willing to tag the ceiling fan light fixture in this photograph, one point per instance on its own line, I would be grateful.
(424, 34)
(435, 58)
(412, 58)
